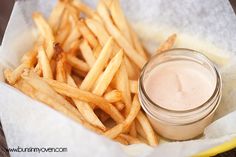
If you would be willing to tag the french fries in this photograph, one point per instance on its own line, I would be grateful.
(120, 128)
(120, 20)
(85, 109)
(120, 39)
(82, 95)
(85, 64)
(106, 77)
(47, 33)
(75, 32)
(102, 59)
(99, 30)
(28, 61)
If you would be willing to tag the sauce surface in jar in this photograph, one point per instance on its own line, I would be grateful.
(179, 85)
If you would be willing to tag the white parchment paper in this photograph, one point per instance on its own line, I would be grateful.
(206, 26)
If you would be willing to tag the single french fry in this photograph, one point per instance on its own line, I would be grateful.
(107, 76)
(46, 32)
(113, 96)
(122, 84)
(55, 16)
(133, 86)
(77, 63)
(85, 109)
(87, 34)
(85, 96)
(120, 39)
(44, 62)
(87, 53)
(119, 19)
(120, 128)
(130, 139)
(96, 70)
(97, 50)
(151, 137)
(168, 44)
(61, 74)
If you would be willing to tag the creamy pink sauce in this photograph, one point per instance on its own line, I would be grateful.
(179, 85)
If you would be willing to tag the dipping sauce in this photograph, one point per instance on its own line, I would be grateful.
(180, 91)
(179, 85)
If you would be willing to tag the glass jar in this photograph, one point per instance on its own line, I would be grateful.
(180, 124)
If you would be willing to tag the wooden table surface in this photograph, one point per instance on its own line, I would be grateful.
(5, 11)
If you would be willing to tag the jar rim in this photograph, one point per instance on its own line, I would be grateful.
(194, 52)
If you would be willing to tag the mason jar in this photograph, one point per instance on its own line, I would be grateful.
(186, 123)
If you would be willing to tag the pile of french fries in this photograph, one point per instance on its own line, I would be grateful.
(85, 64)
